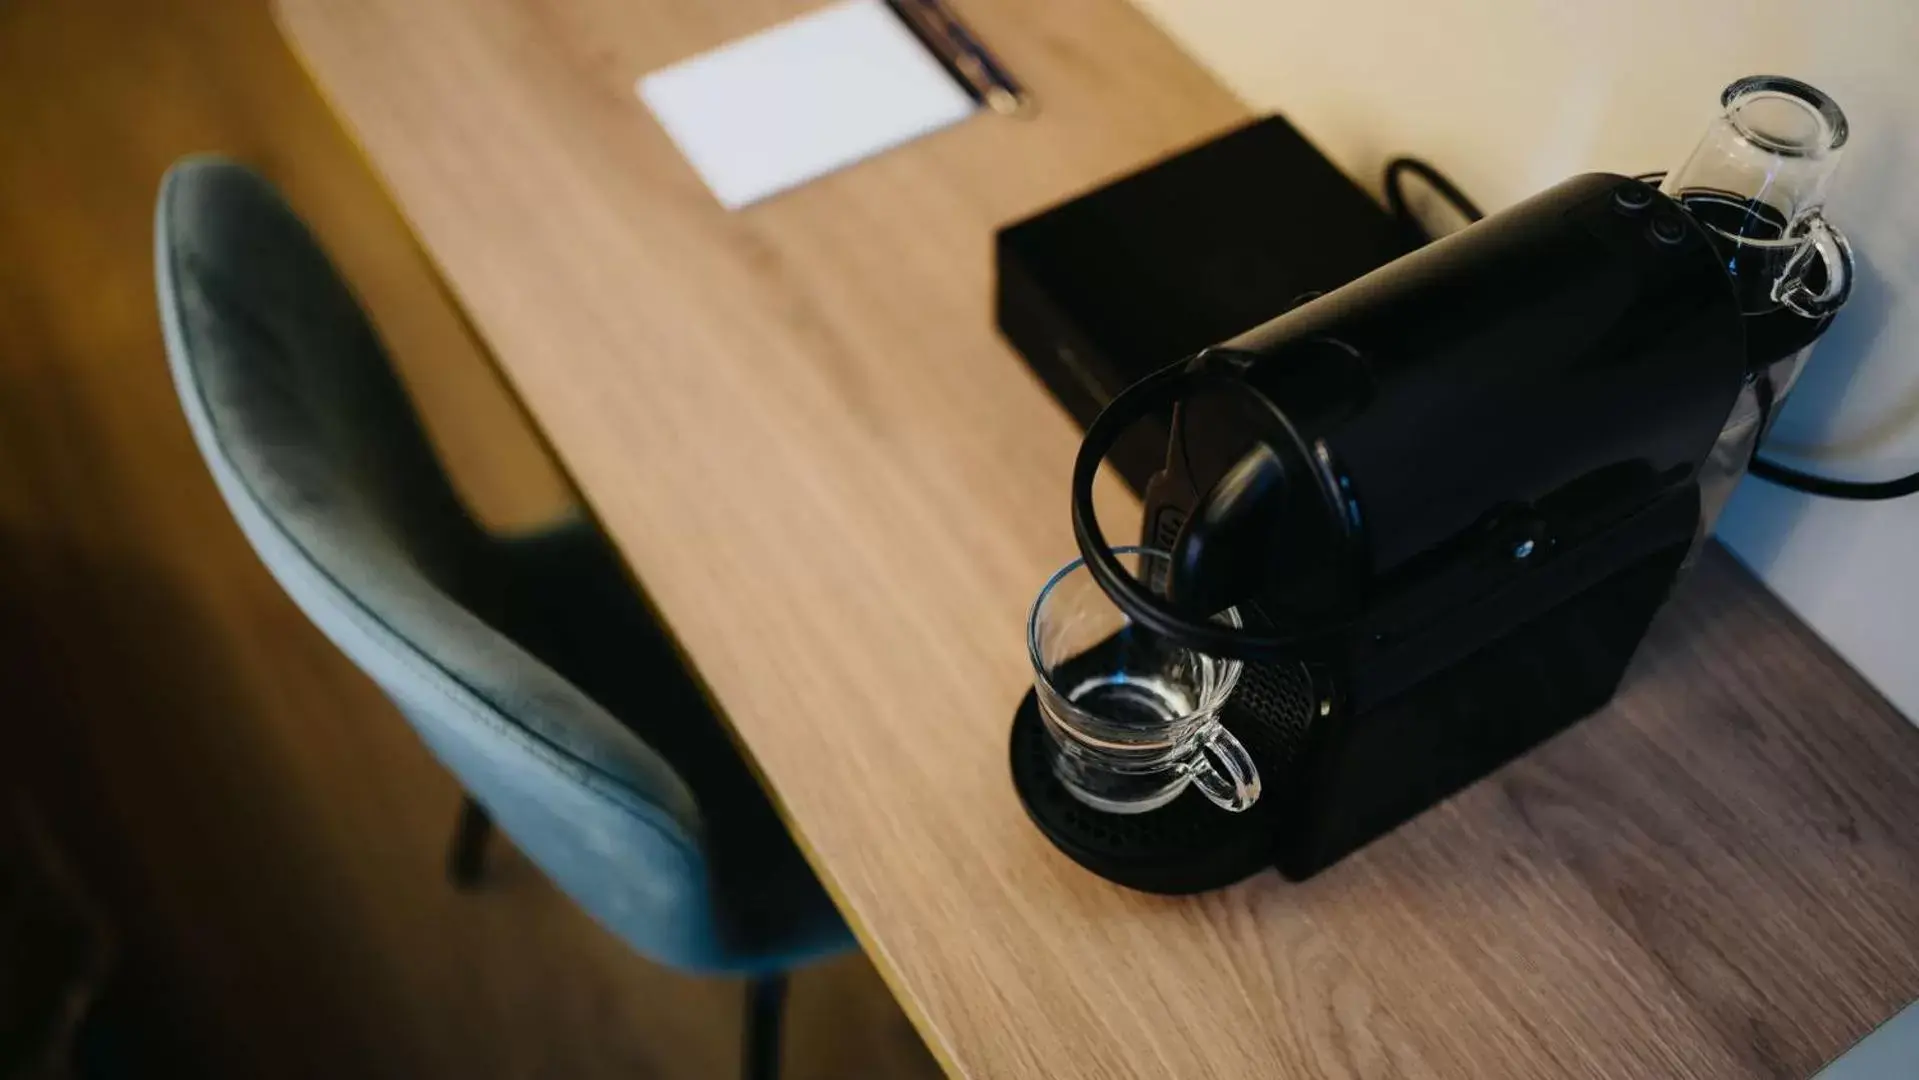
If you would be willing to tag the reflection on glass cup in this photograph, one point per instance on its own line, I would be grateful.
(1133, 717)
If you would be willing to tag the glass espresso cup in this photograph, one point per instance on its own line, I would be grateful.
(1133, 716)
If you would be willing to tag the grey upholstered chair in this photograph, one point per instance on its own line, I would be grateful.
(529, 665)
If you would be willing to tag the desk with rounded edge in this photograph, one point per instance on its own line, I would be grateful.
(841, 489)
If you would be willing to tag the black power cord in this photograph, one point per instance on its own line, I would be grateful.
(1862, 490)
(1770, 471)
(1396, 172)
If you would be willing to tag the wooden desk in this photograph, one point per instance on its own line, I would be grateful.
(842, 490)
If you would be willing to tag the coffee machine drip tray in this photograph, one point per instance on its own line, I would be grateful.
(1188, 845)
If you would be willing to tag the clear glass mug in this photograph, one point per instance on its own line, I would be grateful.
(1758, 181)
(1134, 718)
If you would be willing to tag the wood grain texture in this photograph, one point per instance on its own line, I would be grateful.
(842, 490)
(266, 833)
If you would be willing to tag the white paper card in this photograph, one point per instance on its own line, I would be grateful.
(769, 112)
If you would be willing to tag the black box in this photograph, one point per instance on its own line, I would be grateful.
(1097, 292)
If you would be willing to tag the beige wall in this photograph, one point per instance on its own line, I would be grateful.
(1508, 97)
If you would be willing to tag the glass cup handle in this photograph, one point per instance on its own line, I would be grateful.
(1824, 240)
(1224, 772)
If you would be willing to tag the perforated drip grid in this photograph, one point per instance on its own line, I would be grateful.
(1271, 711)
(1189, 845)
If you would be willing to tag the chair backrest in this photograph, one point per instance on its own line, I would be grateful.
(322, 460)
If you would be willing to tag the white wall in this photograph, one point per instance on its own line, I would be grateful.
(1510, 96)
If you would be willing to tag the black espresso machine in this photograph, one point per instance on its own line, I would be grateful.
(1447, 499)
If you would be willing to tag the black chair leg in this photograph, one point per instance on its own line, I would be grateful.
(466, 860)
(765, 1008)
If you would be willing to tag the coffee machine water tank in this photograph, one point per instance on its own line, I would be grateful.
(1758, 182)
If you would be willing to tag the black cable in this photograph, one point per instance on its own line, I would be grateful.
(1775, 473)
(1861, 490)
(1397, 168)
(1770, 471)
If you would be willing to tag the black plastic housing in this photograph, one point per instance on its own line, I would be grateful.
(1513, 419)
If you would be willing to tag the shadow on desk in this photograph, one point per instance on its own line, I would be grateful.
(267, 840)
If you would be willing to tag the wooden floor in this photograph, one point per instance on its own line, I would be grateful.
(263, 829)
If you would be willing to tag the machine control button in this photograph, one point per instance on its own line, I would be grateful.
(1668, 229)
(1632, 197)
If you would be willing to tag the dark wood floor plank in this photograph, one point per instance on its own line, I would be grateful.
(266, 832)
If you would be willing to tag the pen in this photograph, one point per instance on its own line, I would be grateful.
(968, 61)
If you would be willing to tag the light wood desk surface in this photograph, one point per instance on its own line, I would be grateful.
(842, 490)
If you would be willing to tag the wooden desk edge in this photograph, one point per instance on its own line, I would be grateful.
(882, 962)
